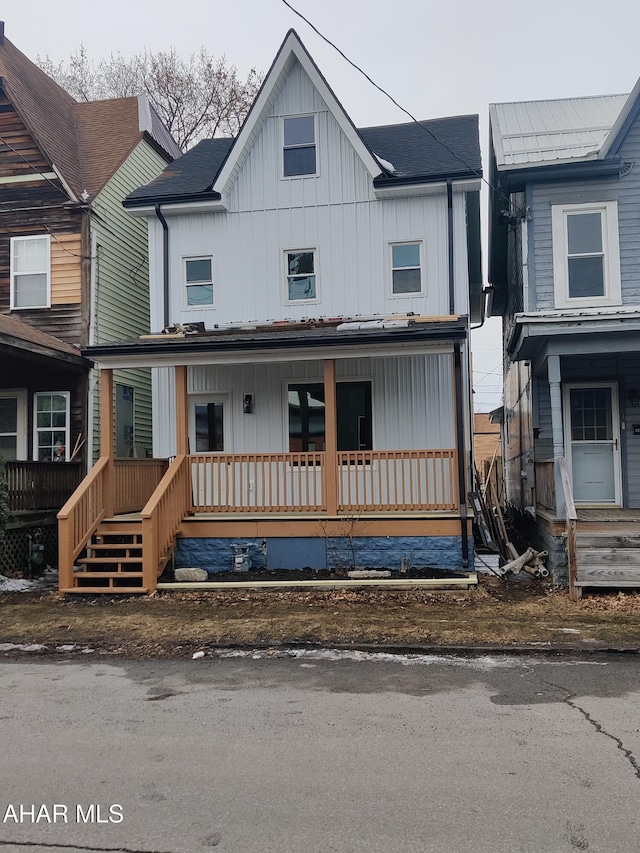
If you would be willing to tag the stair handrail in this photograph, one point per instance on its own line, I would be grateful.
(161, 517)
(79, 518)
(570, 519)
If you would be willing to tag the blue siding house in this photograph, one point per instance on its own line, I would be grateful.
(565, 268)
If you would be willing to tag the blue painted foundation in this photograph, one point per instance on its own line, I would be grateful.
(376, 552)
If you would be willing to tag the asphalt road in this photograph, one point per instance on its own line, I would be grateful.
(313, 755)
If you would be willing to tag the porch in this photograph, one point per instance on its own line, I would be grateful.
(119, 529)
(285, 438)
(600, 544)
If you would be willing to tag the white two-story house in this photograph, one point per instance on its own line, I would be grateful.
(565, 265)
(312, 289)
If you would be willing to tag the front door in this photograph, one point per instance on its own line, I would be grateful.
(592, 430)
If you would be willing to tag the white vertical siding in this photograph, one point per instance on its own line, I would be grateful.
(412, 401)
(334, 213)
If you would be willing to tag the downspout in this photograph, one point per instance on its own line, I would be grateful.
(462, 479)
(452, 290)
(165, 265)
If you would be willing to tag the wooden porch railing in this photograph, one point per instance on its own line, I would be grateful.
(35, 486)
(570, 519)
(258, 482)
(396, 479)
(80, 517)
(135, 480)
(545, 485)
(162, 514)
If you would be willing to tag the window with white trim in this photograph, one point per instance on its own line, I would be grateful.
(299, 146)
(301, 272)
(30, 272)
(406, 268)
(13, 430)
(51, 426)
(198, 280)
(586, 255)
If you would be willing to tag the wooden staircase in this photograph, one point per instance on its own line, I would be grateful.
(113, 559)
(608, 555)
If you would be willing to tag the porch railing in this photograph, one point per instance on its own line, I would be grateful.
(161, 516)
(135, 480)
(80, 517)
(296, 482)
(36, 486)
(545, 484)
(111, 486)
(396, 479)
(258, 482)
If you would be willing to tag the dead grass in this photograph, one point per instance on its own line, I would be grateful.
(498, 613)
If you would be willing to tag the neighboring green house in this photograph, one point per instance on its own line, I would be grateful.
(74, 268)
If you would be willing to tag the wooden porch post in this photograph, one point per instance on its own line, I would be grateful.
(106, 436)
(182, 421)
(331, 437)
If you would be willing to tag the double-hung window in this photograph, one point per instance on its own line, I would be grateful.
(198, 278)
(406, 268)
(301, 272)
(586, 255)
(299, 148)
(30, 272)
(51, 426)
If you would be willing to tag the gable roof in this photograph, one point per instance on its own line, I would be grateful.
(291, 50)
(86, 142)
(533, 133)
(415, 154)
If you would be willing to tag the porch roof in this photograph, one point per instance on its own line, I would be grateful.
(333, 338)
(575, 332)
(16, 335)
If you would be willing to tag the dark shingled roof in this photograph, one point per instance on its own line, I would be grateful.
(418, 154)
(194, 172)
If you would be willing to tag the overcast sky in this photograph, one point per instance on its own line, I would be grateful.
(435, 58)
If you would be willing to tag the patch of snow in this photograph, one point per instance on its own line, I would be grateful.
(385, 163)
(22, 647)
(47, 580)
(197, 655)
(484, 663)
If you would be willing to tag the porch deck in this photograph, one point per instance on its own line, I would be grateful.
(119, 529)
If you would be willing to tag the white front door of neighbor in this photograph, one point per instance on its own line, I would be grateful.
(592, 435)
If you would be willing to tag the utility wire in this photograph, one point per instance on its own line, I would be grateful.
(403, 109)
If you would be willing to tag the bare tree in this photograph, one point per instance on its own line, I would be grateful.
(198, 97)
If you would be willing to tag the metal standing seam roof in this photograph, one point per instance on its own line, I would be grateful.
(534, 132)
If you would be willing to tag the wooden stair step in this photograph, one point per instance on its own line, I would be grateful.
(607, 540)
(610, 558)
(105, 575)
(97, 590)
(109, 560)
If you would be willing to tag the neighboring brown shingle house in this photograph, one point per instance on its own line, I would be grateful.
(486, 438)
(72, 261)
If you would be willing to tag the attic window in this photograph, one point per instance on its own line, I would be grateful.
(299, 150)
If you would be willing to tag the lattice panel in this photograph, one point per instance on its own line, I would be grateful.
(14, 559)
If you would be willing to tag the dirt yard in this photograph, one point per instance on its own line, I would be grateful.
(514, 613)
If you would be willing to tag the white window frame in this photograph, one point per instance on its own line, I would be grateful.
(285, 262)
(608, 211)
(315, 174)
(421, 292)
(67, 427)
(204, 399)
(20, 395)
(186, 285)
(47, 271)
